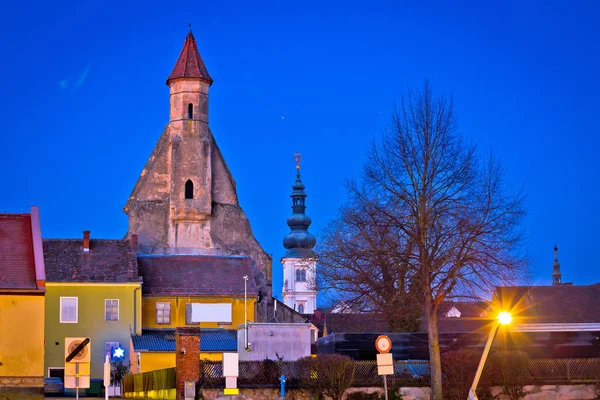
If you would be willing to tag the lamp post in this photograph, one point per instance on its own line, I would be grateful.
(246, 312)
(504, 318)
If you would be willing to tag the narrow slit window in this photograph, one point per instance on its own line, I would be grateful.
(190, 111)
(189, 189)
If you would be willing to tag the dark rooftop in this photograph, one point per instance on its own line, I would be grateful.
(196, 275)
(551, 304)
(110, 261)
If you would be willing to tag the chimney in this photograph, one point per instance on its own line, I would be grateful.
(86, 241)
(133, 242)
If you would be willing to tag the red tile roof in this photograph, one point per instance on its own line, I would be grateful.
(196, 275)
(17, 265)
(189, 64)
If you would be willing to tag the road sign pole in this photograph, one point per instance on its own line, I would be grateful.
(385, 386)
(77, 381)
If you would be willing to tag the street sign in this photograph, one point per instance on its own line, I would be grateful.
(385, 364)
(77, 350)
(77, 368)
(74, 382)
(78, 355)
(383, 344)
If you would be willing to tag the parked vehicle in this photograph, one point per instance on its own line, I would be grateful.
(54, 386)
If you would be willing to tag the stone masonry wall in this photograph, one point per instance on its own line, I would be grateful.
(21, 388)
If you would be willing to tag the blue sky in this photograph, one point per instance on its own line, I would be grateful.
(85, 101)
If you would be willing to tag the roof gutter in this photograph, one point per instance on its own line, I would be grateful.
(135, 332)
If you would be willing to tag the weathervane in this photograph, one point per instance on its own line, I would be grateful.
(190, 25)
(298, 159)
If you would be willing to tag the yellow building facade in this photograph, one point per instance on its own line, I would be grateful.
(22, 290)
(205, 291)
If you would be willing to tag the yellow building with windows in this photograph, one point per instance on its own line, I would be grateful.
(22, 291)
(191, 290)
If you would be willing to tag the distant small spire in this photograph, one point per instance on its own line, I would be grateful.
(297, 160)
(556, 274)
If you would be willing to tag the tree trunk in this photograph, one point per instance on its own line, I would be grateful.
(435, 364)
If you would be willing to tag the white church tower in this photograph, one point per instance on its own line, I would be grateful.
(299, 262)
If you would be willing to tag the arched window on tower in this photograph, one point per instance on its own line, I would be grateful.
(301, 308)
(190, 111)
(300, 275)
(189, 189)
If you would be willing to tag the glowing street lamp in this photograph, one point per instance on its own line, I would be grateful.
(504, 318)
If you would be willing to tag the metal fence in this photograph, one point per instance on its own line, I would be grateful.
(406, 373)
(567, 370)
(266, 374)
(255, 374)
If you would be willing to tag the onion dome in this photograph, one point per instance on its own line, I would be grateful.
(299, 241)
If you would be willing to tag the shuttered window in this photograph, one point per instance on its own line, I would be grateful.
(111, 309)
(68, 310)
(163, 313)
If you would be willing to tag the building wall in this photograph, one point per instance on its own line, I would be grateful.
(178, 310)
(150, 361)
(295, 292)
(90, 321)
(153, 360)
(272, 340)
(22, 345)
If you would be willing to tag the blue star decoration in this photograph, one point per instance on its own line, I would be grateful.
(119, 353)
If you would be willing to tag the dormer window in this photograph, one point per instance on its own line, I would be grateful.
(190, 111)
(189, 190)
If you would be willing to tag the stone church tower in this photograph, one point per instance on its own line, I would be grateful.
(185, 200)
(299, 262)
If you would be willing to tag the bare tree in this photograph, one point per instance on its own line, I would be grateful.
(363, 260)
(456, 224)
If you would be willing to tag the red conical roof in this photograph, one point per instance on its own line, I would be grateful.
(189, 64)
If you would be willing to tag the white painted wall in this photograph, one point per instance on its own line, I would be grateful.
(288, 340)
(295, 293)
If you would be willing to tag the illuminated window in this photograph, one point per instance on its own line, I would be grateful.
(68, 310)
(111, 309)
(300, 275)
(109, 348)
(190, 111)
(163, 313)
(189, 189)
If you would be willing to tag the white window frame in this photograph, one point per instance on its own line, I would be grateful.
(118, 309)
(300, 274)
(55, 368)
(76, 310)
(163, 323)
